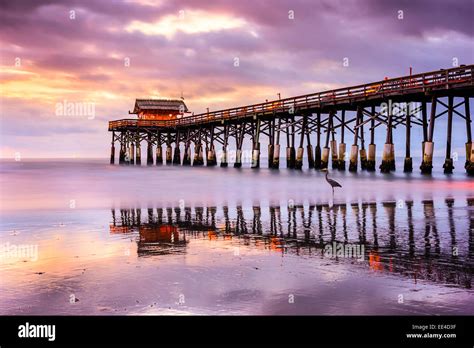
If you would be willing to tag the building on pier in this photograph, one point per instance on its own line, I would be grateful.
(159, 109)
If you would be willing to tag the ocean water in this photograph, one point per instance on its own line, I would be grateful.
(84, 237)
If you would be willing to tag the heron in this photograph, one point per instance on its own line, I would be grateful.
(331, 182)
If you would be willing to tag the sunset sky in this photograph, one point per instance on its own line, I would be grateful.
(111, 52)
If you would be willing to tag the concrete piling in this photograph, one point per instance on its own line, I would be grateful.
(371, 159)
(334, 154)
(127, 154)
(325, 158)
(177, 154)
(256, 156)
(317, 149)
(138, 154)
(112, 149)
(224, 159)
(408, 164)
(342, 157)
(299, 158)
(211, 156)
(131, 155)
(353, 158)
(159, 155)
(238, 159)
(469, 164)
(427, 163)
(276, 157)
(149, 154)
(169, 154)
(448, 162)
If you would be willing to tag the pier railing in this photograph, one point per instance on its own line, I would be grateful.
(443, 79)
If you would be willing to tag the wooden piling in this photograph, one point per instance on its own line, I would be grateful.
(290, 140)
(326, 150)
(149, 154)
(138, 153)
(177, 151)
(256, 146)
(224, 157)
(341, 160)
(371, 156)
(309, 148)
(211, 152)
(469, 165)
(300, 151)
(276, 150)
(122, 149)
(355, 148)
(362, 152)
(239, 139)
(271, 142)
(132, 153)
(388, 158)
(427, 163)
(317, 149)
(408, 165)
(448, 162)
(112, 149)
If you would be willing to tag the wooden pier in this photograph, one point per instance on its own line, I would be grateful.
(328, 117)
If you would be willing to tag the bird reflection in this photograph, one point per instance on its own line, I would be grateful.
(403, 238)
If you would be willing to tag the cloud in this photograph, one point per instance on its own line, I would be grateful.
(190, 47)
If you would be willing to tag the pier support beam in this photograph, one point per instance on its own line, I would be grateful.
(408, 165)
(159, 154)
(271, 142)
(300, 151)
(290, 140)
(239, 139)
(448, 162)
(132, 153)
(317, 149)
(149, 154)
(177, 153)
(211, 151)
(469, 165)
(122, 150)
(427, 164)
(138, 154)
(341, 160)
(388, 154)
(334, 154)
(276, 149)
(326, 149)
(371, 157)
(224, 156)
(169, 154)
(198, 154)
(187, 153)
(112, 149)
(238, 158)
(362, 152)
(127, 153)
(256, 146)
(355, 148)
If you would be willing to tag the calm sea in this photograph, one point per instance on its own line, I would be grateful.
(84, 237)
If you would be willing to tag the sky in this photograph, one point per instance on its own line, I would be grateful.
(68, 67)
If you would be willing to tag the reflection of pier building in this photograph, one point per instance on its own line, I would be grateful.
(403, 240)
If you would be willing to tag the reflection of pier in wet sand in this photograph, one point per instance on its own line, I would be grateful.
(424, 240)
